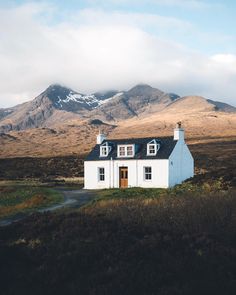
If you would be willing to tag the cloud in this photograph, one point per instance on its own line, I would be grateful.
(141, 20)
(192, 4)
(99, 51)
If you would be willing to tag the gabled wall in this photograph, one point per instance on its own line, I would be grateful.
(181, 164)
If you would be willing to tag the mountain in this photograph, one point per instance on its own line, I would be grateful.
(68, 100)
(200, 117)
(198, 104)
(58, 105)
(5, 112)
(61, 121)
(139, 100)
(221, 106)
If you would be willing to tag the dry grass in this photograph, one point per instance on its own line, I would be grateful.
(214, 159)
(44, 142)
(168, 245)
(78, 137)
(18, 199)
(203, 125)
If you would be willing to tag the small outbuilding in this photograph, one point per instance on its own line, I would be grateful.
(153, 162)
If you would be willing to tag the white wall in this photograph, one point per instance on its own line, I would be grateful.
(91, 180)
(181, 164)
(160, 174)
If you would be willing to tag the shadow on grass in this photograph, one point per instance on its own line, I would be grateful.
(175, 244)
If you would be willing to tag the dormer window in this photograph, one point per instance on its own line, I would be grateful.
(152, 148)
(126, 150)
(130, 150)
(105, 150)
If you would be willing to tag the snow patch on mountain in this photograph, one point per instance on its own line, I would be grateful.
(90, 100)
(110, 98)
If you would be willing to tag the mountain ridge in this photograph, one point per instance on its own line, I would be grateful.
(59, 104)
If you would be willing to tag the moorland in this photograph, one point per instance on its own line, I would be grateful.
(132, 241)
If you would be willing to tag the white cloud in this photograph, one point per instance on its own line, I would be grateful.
(140, 20)
(98, 51)
(225, 59)
(192, 4)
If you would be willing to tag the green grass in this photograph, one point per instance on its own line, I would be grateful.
(21, 198)
(14, 183)
(130, 193)
(153, 193)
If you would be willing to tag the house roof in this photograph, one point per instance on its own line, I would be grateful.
(167, 145)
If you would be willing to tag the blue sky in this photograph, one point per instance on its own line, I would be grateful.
(216, 18)
(183, 46)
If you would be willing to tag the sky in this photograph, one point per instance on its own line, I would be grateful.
(186, 47)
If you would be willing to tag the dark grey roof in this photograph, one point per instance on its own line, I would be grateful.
(167, 145)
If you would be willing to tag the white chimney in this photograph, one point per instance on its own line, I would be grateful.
(100, 137)
(178, 132)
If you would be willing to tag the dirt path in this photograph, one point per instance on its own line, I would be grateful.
(72, 199)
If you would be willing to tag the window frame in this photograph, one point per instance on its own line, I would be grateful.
(123, 151)
(147, 173)
(101, 174)
(125, 147)
(105, 147)
(155, 144)
(155, 149)
(102, 149)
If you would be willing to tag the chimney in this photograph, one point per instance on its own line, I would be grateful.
(100, 137)
(178, 132)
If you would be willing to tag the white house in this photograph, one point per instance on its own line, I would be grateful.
(159, 162)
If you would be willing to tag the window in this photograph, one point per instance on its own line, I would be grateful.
(152, 148)
(147, 173)
(126, 150)
(101, 174)
(130, 150)
(105, 150)
(121, 151)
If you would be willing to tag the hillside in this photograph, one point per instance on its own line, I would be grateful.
(61, 121)
(200, 118)
(64, 104)
(139, 100)
(55, 105)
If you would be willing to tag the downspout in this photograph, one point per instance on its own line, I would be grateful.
(136, 173)
(111, 173)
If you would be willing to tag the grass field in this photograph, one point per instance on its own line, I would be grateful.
(179, 241)
(188, 187)
(25, 198)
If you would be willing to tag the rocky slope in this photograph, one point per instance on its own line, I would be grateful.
(198, 104)
(139, 100)
(55, 105)
(58, 105)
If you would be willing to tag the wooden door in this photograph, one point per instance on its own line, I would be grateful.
(123, 177)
